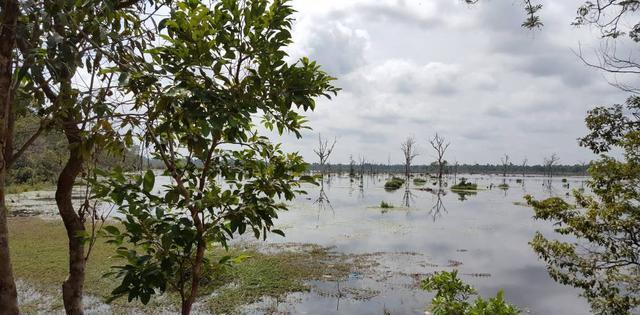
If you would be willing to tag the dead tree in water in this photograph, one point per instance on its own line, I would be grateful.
(550, 162)
(524, 165)
(439, 145)
(409, 150)
(324, 151)
(505, 164)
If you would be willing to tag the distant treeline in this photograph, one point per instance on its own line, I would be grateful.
(511, 169)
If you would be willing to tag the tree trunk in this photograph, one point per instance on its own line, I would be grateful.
(196, 273)
(8, 20)
(72, 287)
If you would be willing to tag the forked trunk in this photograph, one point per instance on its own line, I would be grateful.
(72, 287)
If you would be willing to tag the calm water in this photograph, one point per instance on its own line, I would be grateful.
(484, 236)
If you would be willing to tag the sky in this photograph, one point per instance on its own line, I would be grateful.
(470, 73)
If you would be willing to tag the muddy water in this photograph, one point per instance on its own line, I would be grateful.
(485, 236)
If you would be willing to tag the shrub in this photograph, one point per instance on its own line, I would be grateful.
(385, 205)
(419, 181)
(464, 185)
(452, 297)
(394, 183)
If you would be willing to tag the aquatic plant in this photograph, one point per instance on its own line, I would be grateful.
(385, 205)
(464, 185)
(394, 183)
(419, 181)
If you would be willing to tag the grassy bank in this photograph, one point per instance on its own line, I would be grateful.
(39, 254)
(20, 188)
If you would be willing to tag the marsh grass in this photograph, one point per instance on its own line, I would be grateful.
(39, 253)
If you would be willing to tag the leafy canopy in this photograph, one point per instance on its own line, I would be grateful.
(603, 260)
(216, 73)
(452, 297)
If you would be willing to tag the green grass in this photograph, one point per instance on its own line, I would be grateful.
(20, 188)
(39, 253)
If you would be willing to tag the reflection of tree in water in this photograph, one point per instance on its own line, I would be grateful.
(462, 195)
(323, 203)
(438, 208)
(408, 197)
(548, 187)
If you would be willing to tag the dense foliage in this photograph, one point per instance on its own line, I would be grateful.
(452, 297)
(217, 71)
(604, 259)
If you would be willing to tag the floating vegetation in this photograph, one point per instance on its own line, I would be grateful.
(503, 186)
(464, 185)
(394, 183)
(454, 263)
(478, 275)
(519, 181)
(564, 180)
(419, 181)
(385, 205)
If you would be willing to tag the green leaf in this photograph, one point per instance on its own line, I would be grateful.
(148, 181)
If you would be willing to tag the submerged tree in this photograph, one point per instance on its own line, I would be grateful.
(439, 144)
(218, 68)
(323, 152)
(550, 162)
(505, 164)
(524, 165)
(410, 152)
(604, 260)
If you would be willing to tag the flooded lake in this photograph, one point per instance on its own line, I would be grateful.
(485, 236)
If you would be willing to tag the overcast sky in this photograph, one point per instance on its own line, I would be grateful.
(470, 73)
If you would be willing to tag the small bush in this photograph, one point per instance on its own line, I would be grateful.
(385, 205)
(503, 186)
(452, 297)
(464, 185)
(394, 183)
(419, 181)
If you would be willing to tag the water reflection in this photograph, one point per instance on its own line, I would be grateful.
(485, 232)
(438, 207)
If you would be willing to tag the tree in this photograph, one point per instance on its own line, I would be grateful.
(73, 64)
(505, 164)
(440, 146)
(323, 151)
(550, 162)
(219, 67)
(409, 151)
(8, 19)
(604, 260)
(524, 165)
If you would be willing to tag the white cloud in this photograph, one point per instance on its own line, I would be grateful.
(470, 73)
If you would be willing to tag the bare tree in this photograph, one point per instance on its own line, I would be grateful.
(440, 146)
(324, 151)
(409, 150)
(550, 162)
(505, 164)
(524, 165)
